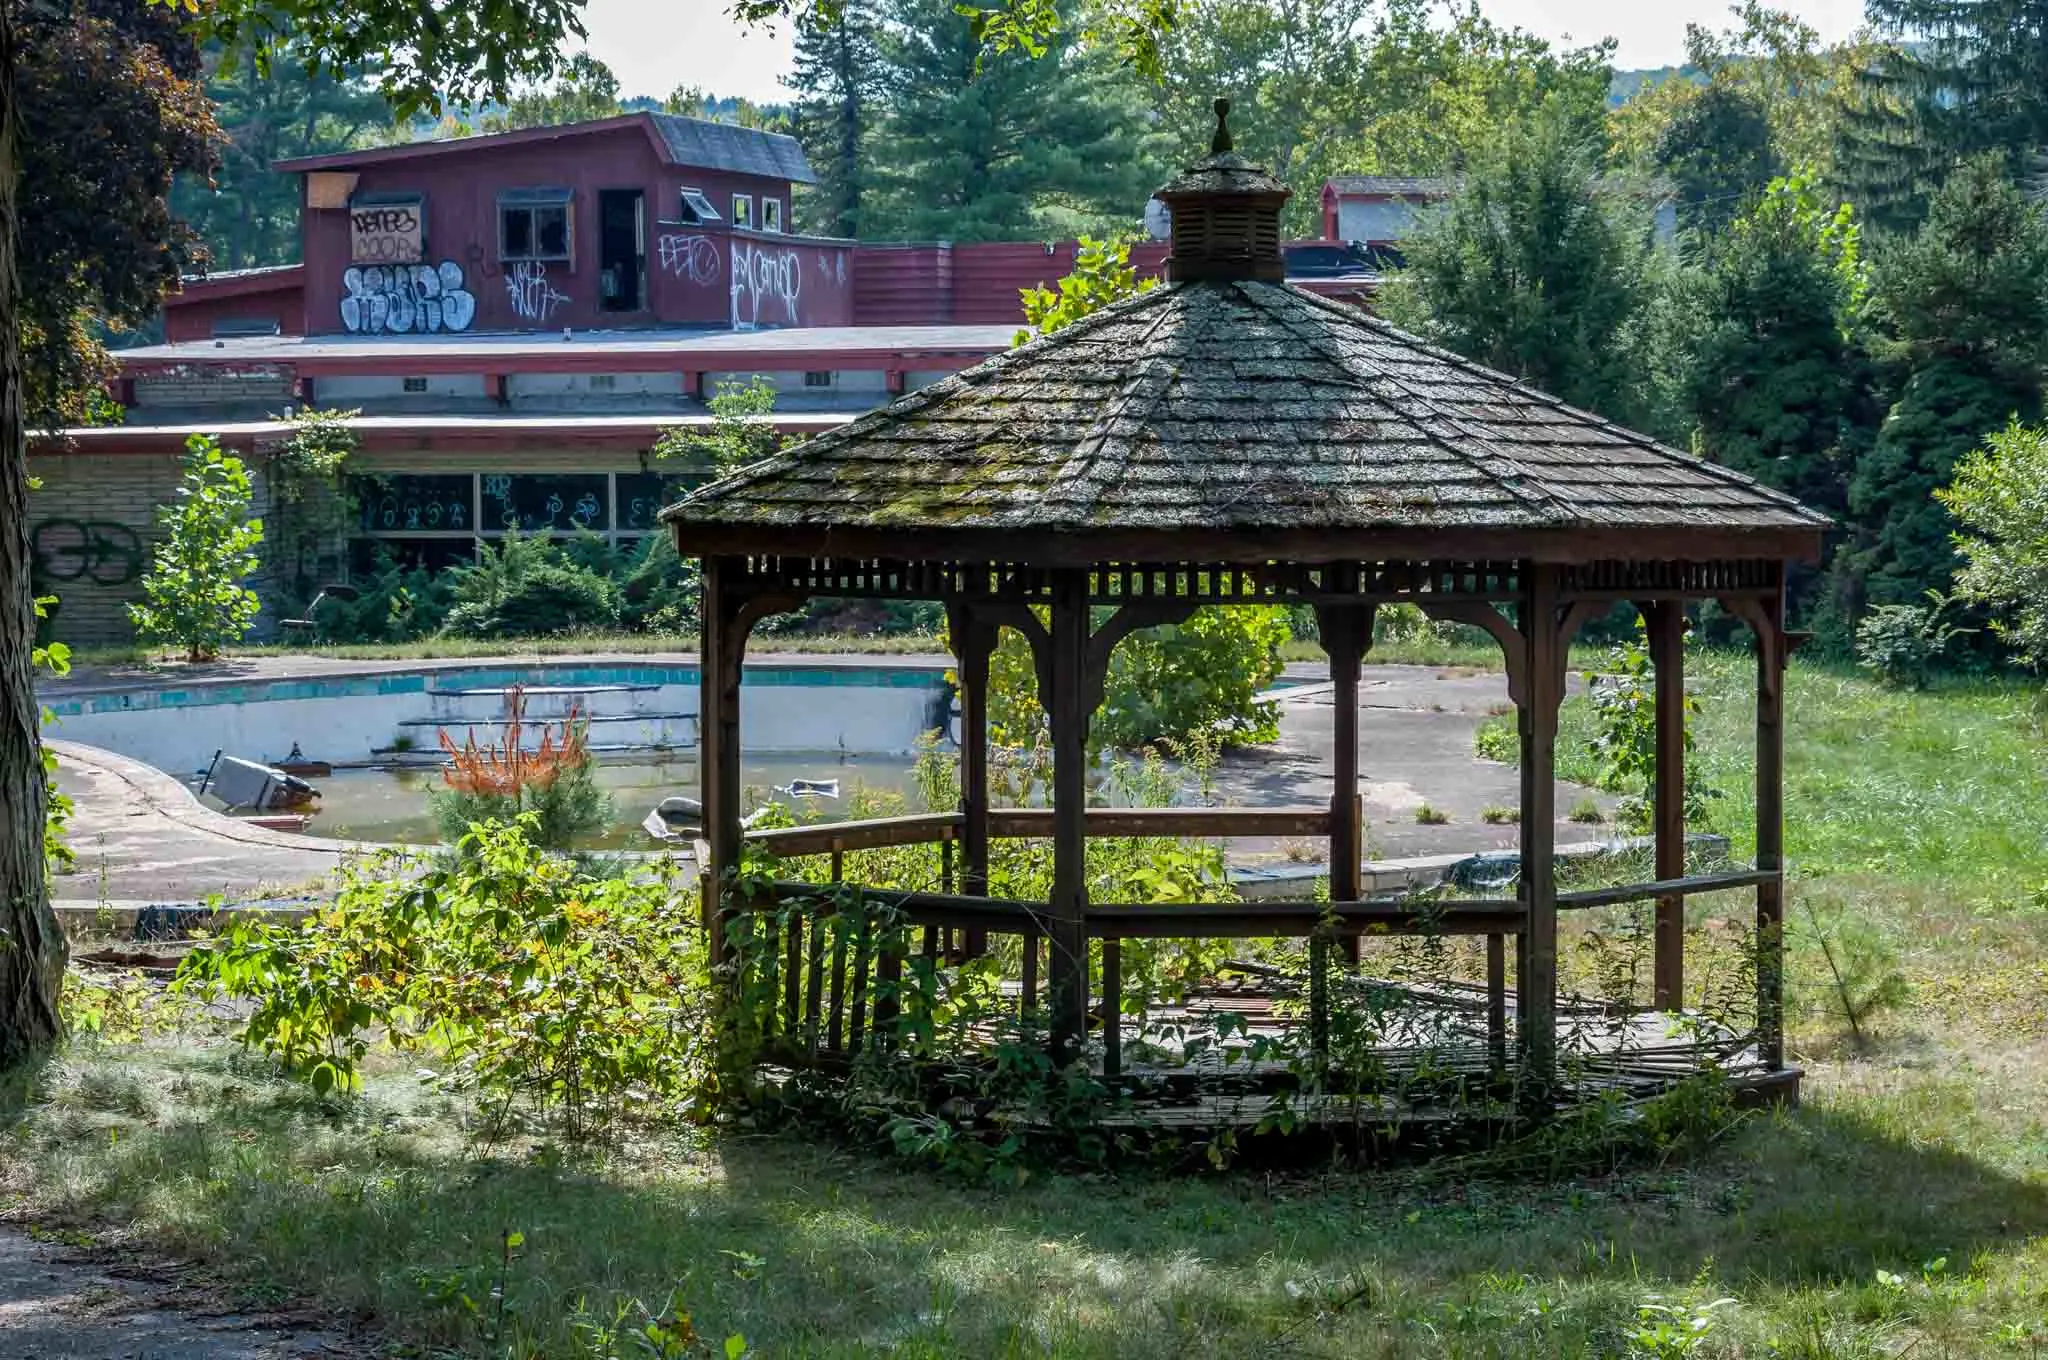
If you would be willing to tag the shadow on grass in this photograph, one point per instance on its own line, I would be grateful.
(811, 1250)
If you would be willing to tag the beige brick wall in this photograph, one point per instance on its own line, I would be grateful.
(92, 524)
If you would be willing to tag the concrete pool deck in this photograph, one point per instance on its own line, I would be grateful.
(142, 838)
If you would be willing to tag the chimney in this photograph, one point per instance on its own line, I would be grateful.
(1226, 216)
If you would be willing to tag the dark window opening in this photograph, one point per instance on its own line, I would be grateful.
(817, 378)
(533, 224)
(415, 384)
(697, 209)
(621, 250)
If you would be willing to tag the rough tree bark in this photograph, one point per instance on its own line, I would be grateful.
(31, 946)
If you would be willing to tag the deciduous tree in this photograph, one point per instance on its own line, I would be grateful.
(460, 50)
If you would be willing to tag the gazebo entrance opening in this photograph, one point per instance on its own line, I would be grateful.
(1226, 440)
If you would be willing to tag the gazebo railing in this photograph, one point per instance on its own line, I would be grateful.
(834, 984)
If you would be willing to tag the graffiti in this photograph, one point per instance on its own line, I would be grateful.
(385, 234)
(761, 275)
(533, 297)
(690, 257)
(406, 298)
(96, 550)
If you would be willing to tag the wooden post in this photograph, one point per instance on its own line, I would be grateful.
(974, 641)
(723, 648)
(1536, 1003)
(1770, 833)
(1347, 635)
(1666, 625)
(1067, 964)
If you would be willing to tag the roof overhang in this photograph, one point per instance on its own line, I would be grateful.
(1042, 548)
(489, 141)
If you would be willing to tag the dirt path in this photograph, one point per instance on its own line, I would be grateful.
(63, 1300)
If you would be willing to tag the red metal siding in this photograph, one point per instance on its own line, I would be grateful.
(968, 285)
(460, 193)
(194, 318)
(902, 285)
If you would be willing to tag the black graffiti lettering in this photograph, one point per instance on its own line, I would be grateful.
(100, 551)
(386, 221)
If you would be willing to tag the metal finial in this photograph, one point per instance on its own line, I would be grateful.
(1221, 143)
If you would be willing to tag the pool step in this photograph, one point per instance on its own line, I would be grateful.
(544, 704)
(614, 730)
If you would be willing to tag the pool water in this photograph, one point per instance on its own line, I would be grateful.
(390, 804)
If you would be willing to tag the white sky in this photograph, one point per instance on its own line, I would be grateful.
(656, 45)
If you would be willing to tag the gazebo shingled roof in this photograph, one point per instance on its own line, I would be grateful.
(1225, 439)
(1241, 406)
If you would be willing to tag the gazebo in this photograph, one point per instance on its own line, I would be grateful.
(1225, 439)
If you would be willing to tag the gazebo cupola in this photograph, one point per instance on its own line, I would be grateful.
(1226, 216)
(1221, 440)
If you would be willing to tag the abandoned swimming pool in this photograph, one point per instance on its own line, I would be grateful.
(814, 719)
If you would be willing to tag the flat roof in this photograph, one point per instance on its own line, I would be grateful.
(683, 345)
(410, 431)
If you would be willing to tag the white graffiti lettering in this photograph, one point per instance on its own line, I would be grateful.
(690, 257)
(761, 275)
(533, 297)
(405, 299)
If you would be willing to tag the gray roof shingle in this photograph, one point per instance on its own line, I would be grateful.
(741, 150)
(1243, 407)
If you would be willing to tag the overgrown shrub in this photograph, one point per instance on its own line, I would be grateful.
(658, 588)
(524, 587)
(1903, 644)
(1624, 700)
(511, 973)
(552, 786)
(394, 603)
(193, 593)
(1164, 684)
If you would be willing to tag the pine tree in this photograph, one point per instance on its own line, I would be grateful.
(1966, 302)
(994, 146)
(836, 80)
(249, 214)
(1969, 77)
(1776, 374)
(1535, 268)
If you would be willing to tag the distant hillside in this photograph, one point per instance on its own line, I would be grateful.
(1626, 84)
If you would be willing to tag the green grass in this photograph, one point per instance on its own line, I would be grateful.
(1919, 815)
(374, 1205)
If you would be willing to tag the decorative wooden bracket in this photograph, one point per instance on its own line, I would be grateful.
(1126, 620)
(1494, 624)
(1773, 644)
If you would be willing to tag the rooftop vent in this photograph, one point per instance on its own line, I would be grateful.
(1226, 216)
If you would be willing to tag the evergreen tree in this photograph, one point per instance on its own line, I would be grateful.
(249, 214)
(1776, 375)
(1965, 300)
(1963, 78)
(1717, 153)
(996, 146)
(1536, 269)
(836, 79)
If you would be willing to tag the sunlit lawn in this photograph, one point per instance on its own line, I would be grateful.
(1902, 1211)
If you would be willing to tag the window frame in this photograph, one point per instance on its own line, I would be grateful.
(771, 208)
(694, 208)
(743, 211)
(533, 202)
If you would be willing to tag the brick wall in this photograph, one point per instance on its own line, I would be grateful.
(92, 525)
(196, 385)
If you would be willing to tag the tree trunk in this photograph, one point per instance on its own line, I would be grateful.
(31, 946)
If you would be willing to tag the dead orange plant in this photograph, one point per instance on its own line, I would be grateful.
(506, 768)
